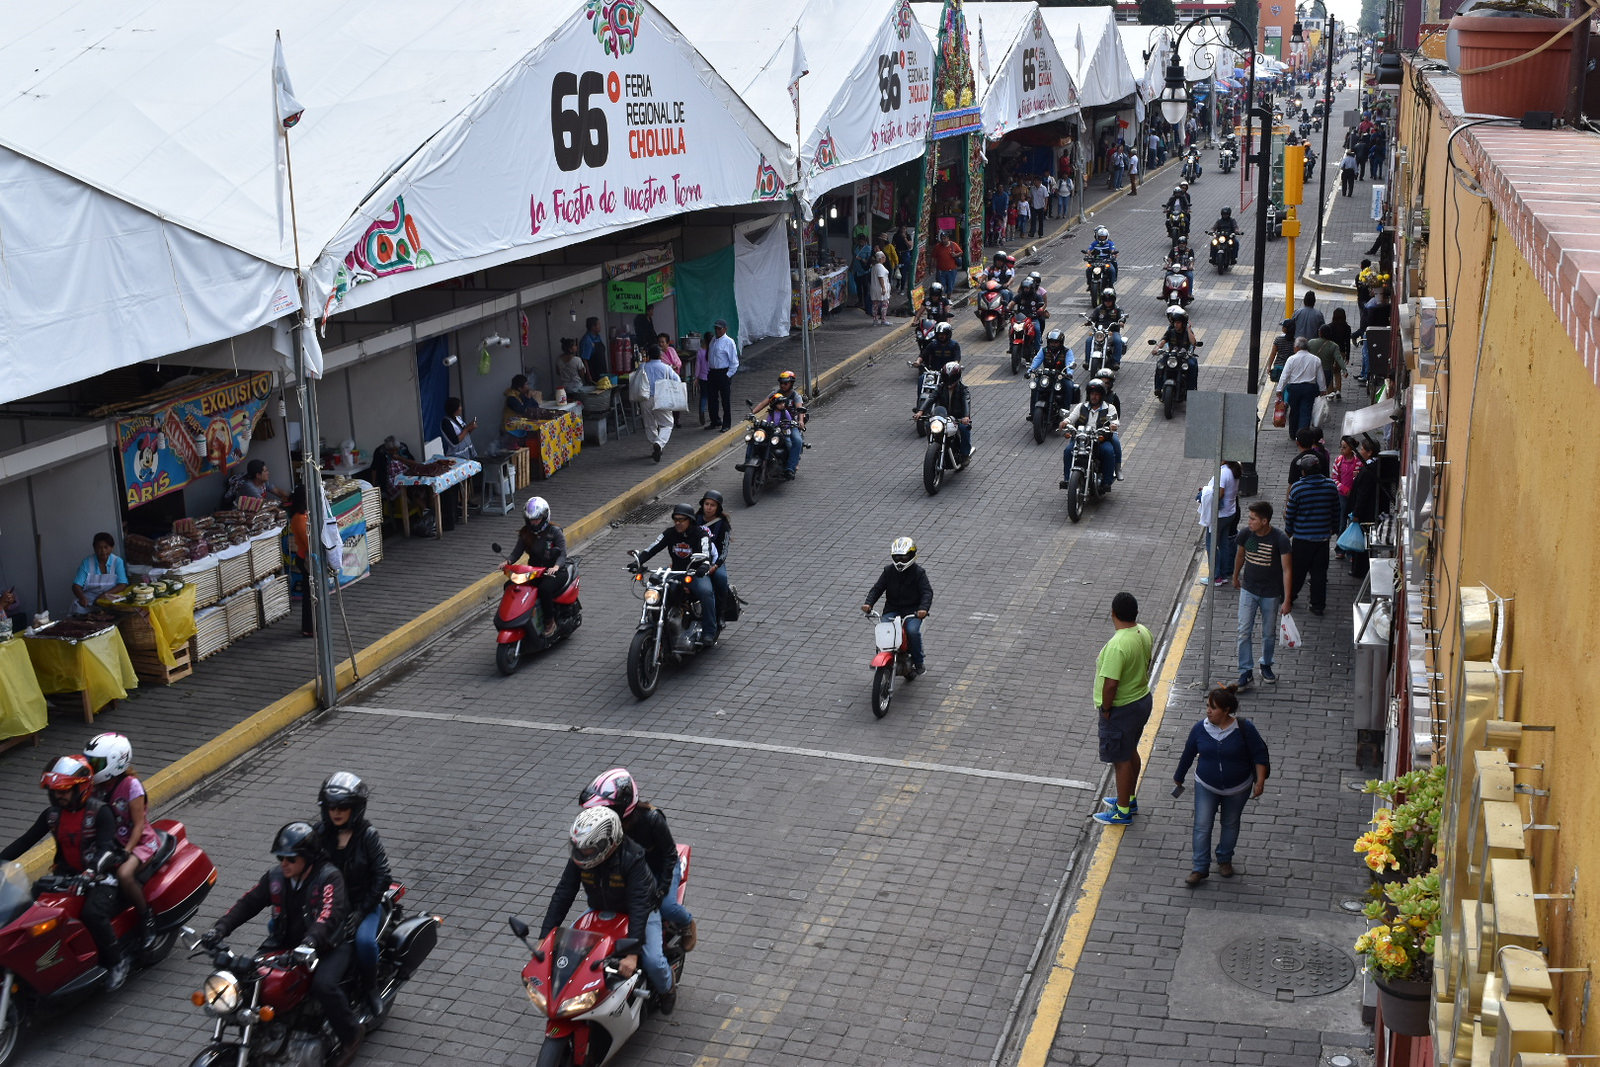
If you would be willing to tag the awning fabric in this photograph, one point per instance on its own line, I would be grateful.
(1088, 42)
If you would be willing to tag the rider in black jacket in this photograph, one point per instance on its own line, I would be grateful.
(906, 592)
(956, 401)
(352, 845)
(545, 545)
(645, 824)
(309, 907)
(684, 540)
(1108, 314)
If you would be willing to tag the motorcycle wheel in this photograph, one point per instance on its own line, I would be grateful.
(1038, 424)
(1016, 360)
(555, 1052)
(882, 689)
(159, 950)
(754, 480)
(507, 657)
(216, 1056)
(1075, 496)
(1169, 399)
(989, 327)
(933, 467)
(644, 665)
(10, 1032)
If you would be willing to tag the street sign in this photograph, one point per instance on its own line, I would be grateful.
(1220, 426)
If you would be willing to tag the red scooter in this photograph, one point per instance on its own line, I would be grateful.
(590, 1010)
(1024, 340)
(990, 307)
(520, 620)
(46, 951)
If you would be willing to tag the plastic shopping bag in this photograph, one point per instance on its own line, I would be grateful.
(1288, 632)
(1319, 411)
(1280, 414)
(1353, 539)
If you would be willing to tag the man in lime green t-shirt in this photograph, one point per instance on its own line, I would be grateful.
(1122, 698)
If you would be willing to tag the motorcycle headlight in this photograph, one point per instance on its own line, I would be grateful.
(761, 435)
(652, 596)
(579, 1004)
(1059, 384)
(1172, 361)
(220, 994)
(520, 577)
(536, 997)
(936, 426)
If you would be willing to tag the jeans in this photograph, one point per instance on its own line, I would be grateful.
(966, 440)
(720, 385)
(671, 910)
(913, 634)
(1110, 452)
(1114, 348)
(704, 592)
(367, 946)
(797, 445)
(1206, 806)
(719, 583)
(1038, 222)
(1223, 554)
(652, 959)
(1249, 605)
(326, 991)
(1309, 557)
(947, 278)
(1301, 398)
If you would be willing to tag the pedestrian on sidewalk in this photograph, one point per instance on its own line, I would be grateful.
(722, 363)
(946, 261)
(1364, 499)
(1345, 466)
(1310, 441)
(1122, 698)
(1300, 385)
(1363, 147)
(1310, 518)
(658, 421)
(1338, 331)
(1231, 765)
(1041, 206)
(1220, 554)
(879, 287)
(1261, 573)
(1347, 173)
(1308, 320)
(702, 373)
(1065, 187)
(1133, 174)
(1025, 216)
(861, 271)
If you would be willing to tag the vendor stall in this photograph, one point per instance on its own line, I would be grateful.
(70, 657)
(438, 475)
(835, 288)
(556, 441)
(23, 711)
(156, 622)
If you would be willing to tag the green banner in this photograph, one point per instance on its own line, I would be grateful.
(626, 297)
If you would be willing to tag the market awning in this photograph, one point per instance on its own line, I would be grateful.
(864, 104)
(1021, 78)
(1087, 40)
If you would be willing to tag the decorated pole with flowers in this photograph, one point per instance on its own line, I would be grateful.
(953, 153)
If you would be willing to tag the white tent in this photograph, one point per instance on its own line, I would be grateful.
(1020, 75)
(1088, 41)
(864, 104)
(439, 137)
(1148, 75)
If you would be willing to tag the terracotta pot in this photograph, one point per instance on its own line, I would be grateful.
(1539, 83)
(1407, 1005)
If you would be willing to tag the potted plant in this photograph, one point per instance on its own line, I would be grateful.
(1401, 843)
(1515, 56)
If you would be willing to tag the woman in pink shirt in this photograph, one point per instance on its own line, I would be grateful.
(111, 756)
(1345, 466)
(669, 356)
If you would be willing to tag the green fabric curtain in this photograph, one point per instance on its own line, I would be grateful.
(705, 293)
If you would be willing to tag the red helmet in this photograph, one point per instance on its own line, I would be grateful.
(71, 774)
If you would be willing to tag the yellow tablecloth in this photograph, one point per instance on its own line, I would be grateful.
(22, 704)
(557, 441)
(98, 666)
(171, 619)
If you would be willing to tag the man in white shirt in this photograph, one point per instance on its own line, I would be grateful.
(1041, 198)
(722, 361)
(1301, 384)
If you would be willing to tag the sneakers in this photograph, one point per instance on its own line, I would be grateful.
(147, 932)
(1063, 483)
(655, 453)
(1113, 817)
(1267, 675)
(1221, 581)
(1246, 680)
(1111, 802)
(117, 975)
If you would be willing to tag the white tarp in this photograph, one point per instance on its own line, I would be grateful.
(1148, 75)
(1087, 39)
(865, 104)
(1023, 80)
(761, 282)
(89, 283)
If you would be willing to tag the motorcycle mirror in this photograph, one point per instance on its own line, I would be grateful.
(751, 404)
(1151, 342)
(519, 928)
(1199, 344)
(495, 546)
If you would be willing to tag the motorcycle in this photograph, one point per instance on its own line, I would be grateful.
(1097, 273)
(1083, 478)
(1191, 166)
(1051, 391)
(262, 1005)
(892, 657)
(944, 449)
(768, 440)
(590, 1011)
(1024, 340)
(1097, 356)
(925, 390)
(1175, 287)
(1177, 225)
(1311, 162)
(990, 307)
(519, 621)
(1224, 250)
(1172, 377)
(50, 959)
(670, 623)
(1274, 221)
(924, 332)
(1227, 156)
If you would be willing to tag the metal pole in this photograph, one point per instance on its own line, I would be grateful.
(805, 294)
(1258, 281)
(1327, 125)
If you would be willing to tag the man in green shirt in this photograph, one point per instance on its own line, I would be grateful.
(1122, 698)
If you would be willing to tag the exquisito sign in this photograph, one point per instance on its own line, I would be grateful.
(200, 433)
(955, 123)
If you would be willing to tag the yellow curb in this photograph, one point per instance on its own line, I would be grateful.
(1053, 1000)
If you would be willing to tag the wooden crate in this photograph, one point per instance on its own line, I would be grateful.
(233, 574)
(522, 460)
(149, 668)
(274, 600)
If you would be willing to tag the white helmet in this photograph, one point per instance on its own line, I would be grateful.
(110, 755)
(902, 550)
(1175, 311)
(1101, 233)
(596, 833)
(536, 510)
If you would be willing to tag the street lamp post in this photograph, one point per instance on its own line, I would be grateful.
(1327, 125)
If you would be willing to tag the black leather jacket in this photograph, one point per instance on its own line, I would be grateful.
(937, 355)
(904, 591)
(1104, 316)
(955, 399)
(621, 884)
(314, 914)
(647, 825)
(545, 547)
(363, 863)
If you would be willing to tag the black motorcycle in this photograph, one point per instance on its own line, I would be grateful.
(926, 387)
(768, 443)
(944, 449)
(1052, 390)
(1177, 225)
(1097, 354)
(1083, 478)
(1191, 166)
(670, 623)
(1172, 376)
(1224, 250)
(1097, 274)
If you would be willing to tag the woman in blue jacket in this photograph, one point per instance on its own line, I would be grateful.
(1230, 767)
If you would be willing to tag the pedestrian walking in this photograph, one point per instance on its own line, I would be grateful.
(878, 285)
(861, 271)
(1309, 518)
(1122, 699)
(722, 364)
(657, 417)
(1133, 174)
(1308, 320)
(1302, 382)
(1025, 216)
(702, 373)
(1119, 166)
(1041, 205)
(1363, 148)
(1231, 765)
(1065, 187)
(1347, 173)
(1365, 498)
(1261, 573)
(999, 204)
(1337, 330)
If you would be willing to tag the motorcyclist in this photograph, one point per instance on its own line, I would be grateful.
(684, 540)
(111, 756)
(1181, 259)
(351, 844)
(956, 401)
(615, 878)
(545, 545)
(85, 831)
(1108, 314)
(1226, 223)
(1180, 336)
(1002, 269)
(646, 824)
(1096, 413)
(309, 907)
(1034, 302)
(936, 303)
(787, 408)
(1177, 204)
(714, 520)
(1053, 354)
(1180, 199)
(944, 348)
(1103, 246)
(906, 592)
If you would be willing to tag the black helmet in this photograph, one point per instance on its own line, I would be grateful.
(684, 510)
(944, 331)
(712, 494)
(936, 289)
(1108, 293)
(344, 790)
(1227, 212)
(1055, 339)
(1096, 385)
(296, 839)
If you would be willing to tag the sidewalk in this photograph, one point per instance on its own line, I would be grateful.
(1257, 968)
(165, 723)
(1348, 230)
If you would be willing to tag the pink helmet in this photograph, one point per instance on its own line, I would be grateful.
(614, 789)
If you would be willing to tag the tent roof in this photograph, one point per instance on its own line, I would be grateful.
(1148, 76)
(1006, 30)
(1099, 67)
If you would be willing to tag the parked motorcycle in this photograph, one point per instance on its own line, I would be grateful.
(1097, 274)
(944, 450)
(1177, 225)
(1024, 340)
(520, 619)
(590, 1011)
(1097, 355)
(50, 959)
(1051, 391)
(670, 623)
(1083, 478)
(1191, 166)
(892, 657)
(768, 441)
(262, 1005)
(990, 307)
(1224, 250)
(1172, 376)
(925, 390)
(1175, 288)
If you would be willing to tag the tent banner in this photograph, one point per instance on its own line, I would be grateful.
(1032, 87)
(614, 121)
(206, 431)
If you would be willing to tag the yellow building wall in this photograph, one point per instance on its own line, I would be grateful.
(1518, 500)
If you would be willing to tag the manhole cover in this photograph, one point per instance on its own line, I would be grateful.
(1287, 967)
